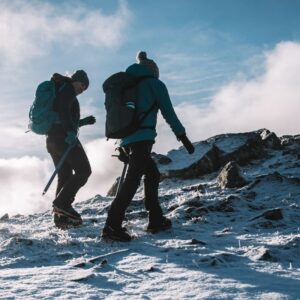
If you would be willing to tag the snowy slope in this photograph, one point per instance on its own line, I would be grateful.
(238, 243)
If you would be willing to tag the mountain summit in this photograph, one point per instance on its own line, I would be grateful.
(235, 208)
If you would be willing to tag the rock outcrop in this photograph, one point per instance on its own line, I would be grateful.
(231, 177)
(216, 152)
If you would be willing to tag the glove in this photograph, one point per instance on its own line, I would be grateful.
(71, 138)
(187, 143)
(90, 120)
(123, 157)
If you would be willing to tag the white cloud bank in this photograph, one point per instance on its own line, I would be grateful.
(270, 100)
(30, 28)
(23, 179)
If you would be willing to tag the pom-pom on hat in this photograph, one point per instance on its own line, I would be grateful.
(81, 76)
(142, 59)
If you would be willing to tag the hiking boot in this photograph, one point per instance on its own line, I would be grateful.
(163, 224)
(64, 222)
(68, 211)
(116, 234)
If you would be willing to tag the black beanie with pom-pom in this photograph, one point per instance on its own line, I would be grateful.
(142, 59)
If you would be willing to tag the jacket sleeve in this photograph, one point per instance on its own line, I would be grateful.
(65, 101)
(167, 110)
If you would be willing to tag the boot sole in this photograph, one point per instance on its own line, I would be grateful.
(64, 222)
(62, 212)
(108, 239)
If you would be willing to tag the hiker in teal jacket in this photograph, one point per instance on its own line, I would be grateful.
(138, 148)
(151, 91)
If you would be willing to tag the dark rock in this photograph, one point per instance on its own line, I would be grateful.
(294, 180)
(230, 176)
(270, 139)
(273, 214)
(196, 188)
(200, 188)
(4, 217)
(262, 253)
(194, 202)
(196, 211)
(173, 207)
(152, 269)
(225, 205)
(289, 140)
(205, 165)
(249, 147)
(161, 159)
(266, 255)
(219, 150)
(196, 242)
(113, 190)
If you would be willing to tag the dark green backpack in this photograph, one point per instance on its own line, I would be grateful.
(121, 96)
(41, 114)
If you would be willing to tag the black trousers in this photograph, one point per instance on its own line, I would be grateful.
(140, 163)
(75, 171)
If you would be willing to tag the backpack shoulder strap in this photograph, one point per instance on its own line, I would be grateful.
(152, 107)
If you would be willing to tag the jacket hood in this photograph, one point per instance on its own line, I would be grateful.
(139, 70)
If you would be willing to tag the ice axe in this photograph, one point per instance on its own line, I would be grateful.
(58, 167)
(123, 157)
(122, 178)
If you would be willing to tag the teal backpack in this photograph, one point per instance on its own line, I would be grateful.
(41, 114)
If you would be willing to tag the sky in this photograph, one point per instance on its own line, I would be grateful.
(230, 66)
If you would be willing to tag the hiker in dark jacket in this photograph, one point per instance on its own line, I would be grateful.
(76, 169)
(138, 148)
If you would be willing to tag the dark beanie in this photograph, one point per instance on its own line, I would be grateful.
(81, 76)
(142, 59)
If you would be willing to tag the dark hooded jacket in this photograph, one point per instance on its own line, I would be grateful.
(66, 104)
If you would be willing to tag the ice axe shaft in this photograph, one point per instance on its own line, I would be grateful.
(122, 178)
(58, 167)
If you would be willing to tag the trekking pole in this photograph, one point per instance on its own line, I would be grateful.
(58, 167)
(122, 178)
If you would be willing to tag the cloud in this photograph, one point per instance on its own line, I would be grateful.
(269, 100)
(23, 179)
(29, 29)
(105, 168)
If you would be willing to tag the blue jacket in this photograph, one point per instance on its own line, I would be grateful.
(150, 91)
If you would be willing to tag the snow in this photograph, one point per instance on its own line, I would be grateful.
(220, 247)
(181, 160)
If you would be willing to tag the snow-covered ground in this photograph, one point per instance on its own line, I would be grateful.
(238, 243)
